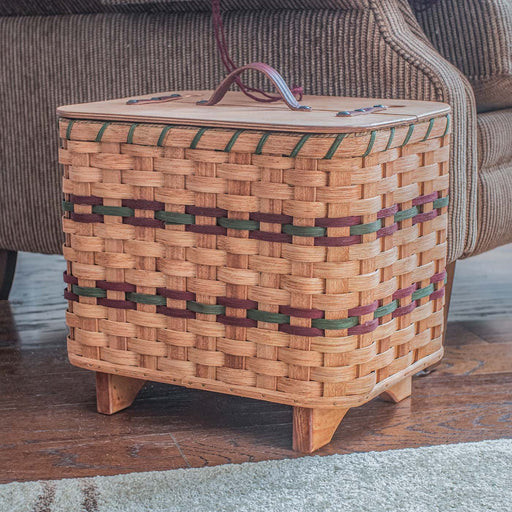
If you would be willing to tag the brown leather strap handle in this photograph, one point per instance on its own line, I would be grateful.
(270, 73)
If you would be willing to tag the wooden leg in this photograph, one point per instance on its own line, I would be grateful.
(450, 273)
(399, 391)
(7, 268)
(314, 428)
(115, 393)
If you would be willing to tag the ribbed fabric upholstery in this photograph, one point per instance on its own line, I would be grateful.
(476, 36)
(495, 138)
(54, 60)
(494, 207)
(54, 7)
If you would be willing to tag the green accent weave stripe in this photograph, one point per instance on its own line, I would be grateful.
(86, 291)
(129, 139)
(144, 298)
(334, 146)
(343, 323)
(386, 309)
(406, 214)
(206, 309)
(289, 229)
(408, 136)
(261, 143)
(266, 316)
(118, 211)
(69, 128)
(161, 139)
(249, 225)
(299, 145)
(197, 138)
(102, 131)
(391, 137)
(423, 292)
(232, 141)
(447, 129)
(429, 130)
(68, 206)
(370, 144)
(365, 229)
(175, 218)
(441, 202)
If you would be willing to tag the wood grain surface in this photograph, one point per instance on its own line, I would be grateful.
(49, 427)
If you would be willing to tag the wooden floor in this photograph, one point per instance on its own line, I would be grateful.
(49, 427)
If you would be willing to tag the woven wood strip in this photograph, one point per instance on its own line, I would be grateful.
(298, 268)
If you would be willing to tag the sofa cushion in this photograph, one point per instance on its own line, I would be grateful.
(476, 36)
(54, 7)
(494, 138)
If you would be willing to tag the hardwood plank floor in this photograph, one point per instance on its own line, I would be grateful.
(49, 427)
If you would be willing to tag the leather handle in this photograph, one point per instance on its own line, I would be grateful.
(270, 73)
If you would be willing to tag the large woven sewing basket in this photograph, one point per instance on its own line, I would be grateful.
(284, 255)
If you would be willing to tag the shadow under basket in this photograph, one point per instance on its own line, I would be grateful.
(264, 257)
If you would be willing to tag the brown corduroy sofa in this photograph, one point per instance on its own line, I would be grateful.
(58, 52)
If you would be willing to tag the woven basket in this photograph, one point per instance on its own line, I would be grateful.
(305, 269)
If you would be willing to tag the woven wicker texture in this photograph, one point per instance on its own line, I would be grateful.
(302, 269)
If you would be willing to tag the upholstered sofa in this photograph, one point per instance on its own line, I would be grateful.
(67, 51)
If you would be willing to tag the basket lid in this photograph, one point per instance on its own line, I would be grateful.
(238, 111)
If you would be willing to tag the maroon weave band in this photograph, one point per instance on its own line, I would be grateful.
(86, 217)
(297, 330)
(387, 212)
(231, 302)
(87, 200)
(267, 236)
(117, 304)
(429, 198)
(236, 322)
(405, 292)
(201, 211)
(363, 328)
(404, 310)
(174, 312)
(142, 204)
(70, 295)
(144, 222)
(175, 294)
(437, 294)
(387, 230)
(438, 277)
(337, 241)
(301, 313)
(363, 310)
(70, 279)
(271, 218)
(423, 217)
(338, 222)
(115, 287)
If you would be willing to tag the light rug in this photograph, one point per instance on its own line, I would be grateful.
(469, 477)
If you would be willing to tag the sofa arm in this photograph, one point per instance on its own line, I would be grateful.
(476, 36)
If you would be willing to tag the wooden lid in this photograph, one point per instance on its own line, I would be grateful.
(238, 111)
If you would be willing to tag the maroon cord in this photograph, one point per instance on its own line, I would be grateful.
(229, 65)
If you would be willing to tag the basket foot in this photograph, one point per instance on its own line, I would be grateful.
(314, 428)
(399, 391)
(115, 393)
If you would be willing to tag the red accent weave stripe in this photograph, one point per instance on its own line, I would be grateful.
(337, 241)
(70, 295)
(438, 277)
(387, 230)
(387, 212)
(437, 294)
(86, 217)
(423, 217)
(338, 222)
(267, 236)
